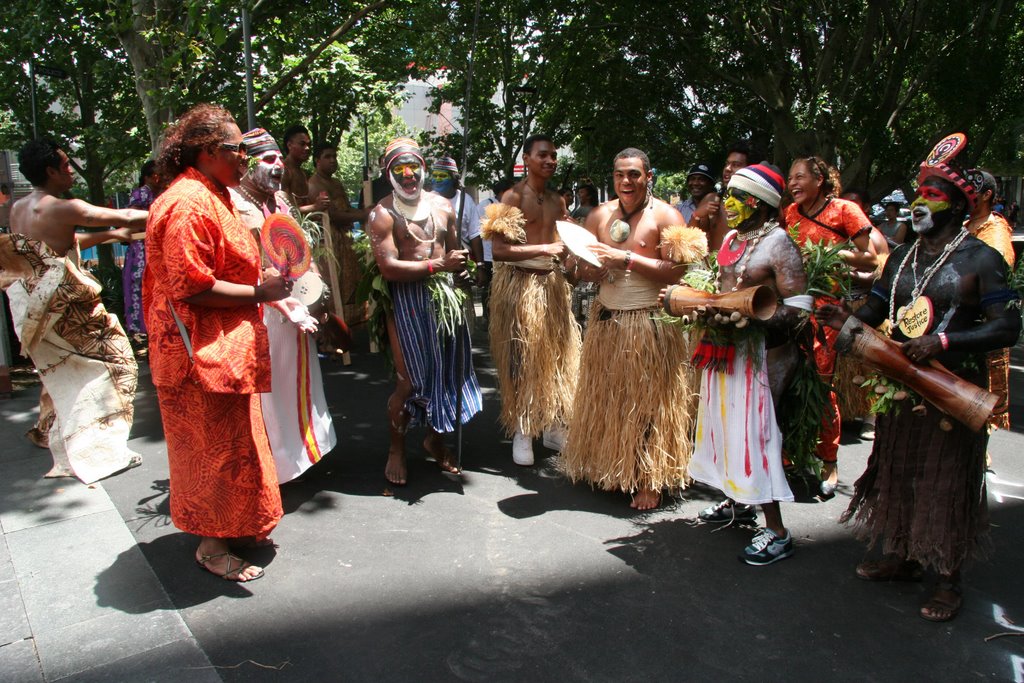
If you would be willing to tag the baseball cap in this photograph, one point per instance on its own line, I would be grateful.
(701, 169)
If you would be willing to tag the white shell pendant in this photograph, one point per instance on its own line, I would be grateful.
(618, 230)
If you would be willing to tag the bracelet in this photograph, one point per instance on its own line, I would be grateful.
(629, 260)
(430, 266)
(944, 340)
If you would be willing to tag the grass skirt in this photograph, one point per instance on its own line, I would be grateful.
(535, 344)
(923, 492)
(854, 400)
(635, 404)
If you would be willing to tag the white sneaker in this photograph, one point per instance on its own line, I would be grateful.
(522, 449)
(554, 438)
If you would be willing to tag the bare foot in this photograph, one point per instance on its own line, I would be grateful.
(944, 604)
(646, 500)
(829, 479)
(395, 470)
(38, 438)
(441, 454)
(213, 556)
(58, 471)
(253, 542)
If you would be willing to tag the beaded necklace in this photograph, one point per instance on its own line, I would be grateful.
(263, 206)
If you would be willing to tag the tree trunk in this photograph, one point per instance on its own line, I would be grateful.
(145, 57)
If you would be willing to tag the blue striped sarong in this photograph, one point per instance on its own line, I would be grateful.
(430, 361)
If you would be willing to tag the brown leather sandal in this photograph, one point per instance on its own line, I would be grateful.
(230, 574)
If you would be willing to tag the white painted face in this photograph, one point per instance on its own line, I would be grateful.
(266, 170)
(921, 219)
(406, 175)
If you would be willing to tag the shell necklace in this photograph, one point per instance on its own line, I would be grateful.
(919, 286)
(428, 230)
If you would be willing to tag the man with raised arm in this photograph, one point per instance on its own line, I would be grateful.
(535, 340)
(63, 326)
(416, 247)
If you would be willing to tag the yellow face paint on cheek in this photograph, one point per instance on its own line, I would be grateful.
(933, 206)
(736, 211)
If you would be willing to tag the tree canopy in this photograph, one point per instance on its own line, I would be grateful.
(867, 84)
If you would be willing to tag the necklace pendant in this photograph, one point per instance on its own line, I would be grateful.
(916, 319)
(618, 231)
(730, 254)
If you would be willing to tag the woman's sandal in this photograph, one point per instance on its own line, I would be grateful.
(889, 570)
(203, 560)
(938, 608)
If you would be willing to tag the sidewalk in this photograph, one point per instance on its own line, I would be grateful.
(78, 601)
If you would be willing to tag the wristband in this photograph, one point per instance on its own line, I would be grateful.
(430, 266)
(629, 260)
(944, 340)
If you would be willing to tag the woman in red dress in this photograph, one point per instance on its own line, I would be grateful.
(209, 355)
(818, 215)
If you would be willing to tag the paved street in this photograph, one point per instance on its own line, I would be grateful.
(508, 574)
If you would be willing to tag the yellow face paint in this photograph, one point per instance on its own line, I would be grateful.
(736, 211)
(933, 205)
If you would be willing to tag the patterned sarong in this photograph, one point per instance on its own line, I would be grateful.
(83, 357)
(430, 361)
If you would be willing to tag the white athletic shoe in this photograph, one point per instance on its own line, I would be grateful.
(554, 438)
(522, 449)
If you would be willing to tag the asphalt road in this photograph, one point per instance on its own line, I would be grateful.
(511, 574)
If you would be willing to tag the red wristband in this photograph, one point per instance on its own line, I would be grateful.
(944, 340)
(430, 266)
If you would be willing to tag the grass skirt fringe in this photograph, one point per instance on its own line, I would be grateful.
(854, 400)
(635, 404)
(923, 492)
(535, 344)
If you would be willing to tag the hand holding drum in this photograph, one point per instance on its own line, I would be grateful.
(758, 303)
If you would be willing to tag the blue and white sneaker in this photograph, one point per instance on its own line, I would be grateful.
(767, 547)
(729, 511)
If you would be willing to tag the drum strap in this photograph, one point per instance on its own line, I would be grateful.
(183, 332)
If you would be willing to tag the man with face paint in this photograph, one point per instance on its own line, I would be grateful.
(447, 183)
(635, 401)
(535, 340)
(739, 444)
(922, 497)
(414, 238)
(343, 215)
(299, 424)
